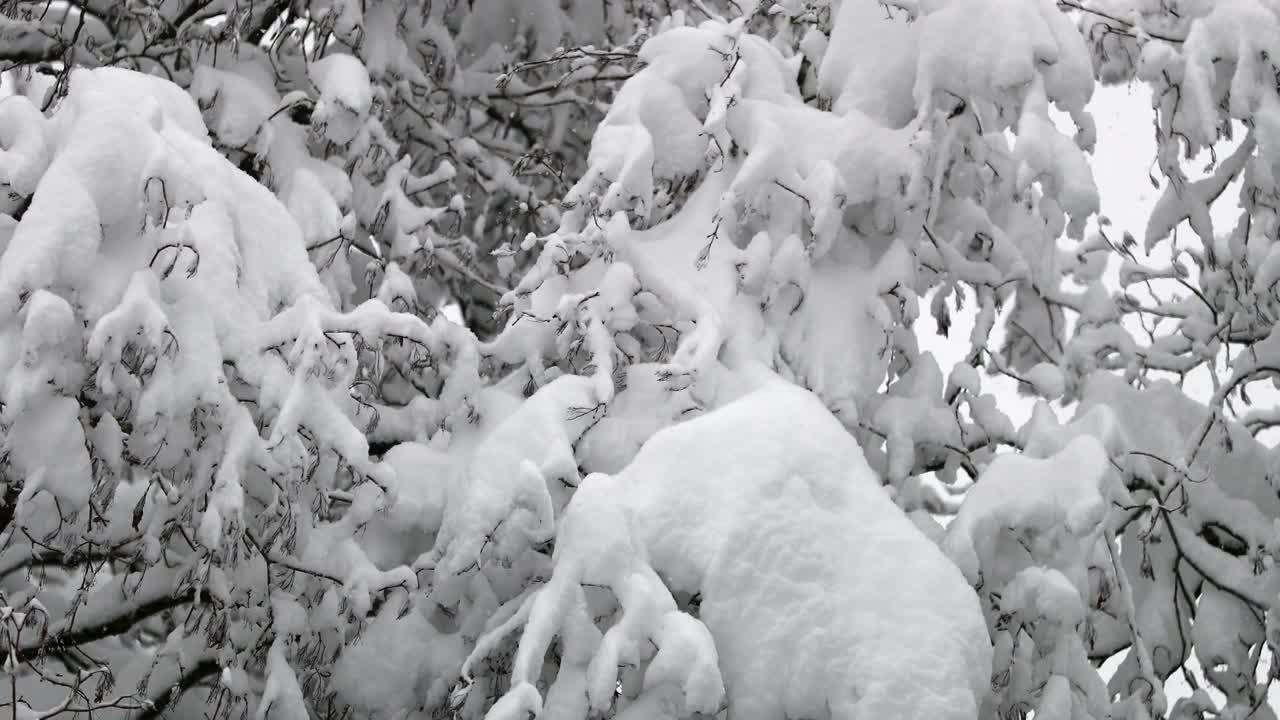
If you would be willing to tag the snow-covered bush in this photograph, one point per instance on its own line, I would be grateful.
(404, 359)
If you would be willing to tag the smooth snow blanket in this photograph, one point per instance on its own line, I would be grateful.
(822, 597)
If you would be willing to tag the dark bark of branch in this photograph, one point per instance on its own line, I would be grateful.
(55, 558)
(1224, 538)
(8, 502)
(121, 623)
(268, 18)
(192, 677)
(513, 121)
(478, 313)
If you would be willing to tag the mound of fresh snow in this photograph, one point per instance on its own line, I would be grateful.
(822, 597)
(872, 67)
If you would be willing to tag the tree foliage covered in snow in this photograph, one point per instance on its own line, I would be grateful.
(678, 452)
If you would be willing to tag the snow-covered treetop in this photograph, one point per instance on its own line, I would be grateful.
(504, 358)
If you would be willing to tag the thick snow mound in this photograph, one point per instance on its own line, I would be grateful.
(1063, 497)
(822, 597)
(871, 66)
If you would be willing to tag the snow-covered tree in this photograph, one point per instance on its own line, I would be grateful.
(510, 358)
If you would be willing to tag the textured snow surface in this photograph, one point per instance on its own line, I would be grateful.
(1065, 495)
(870, 65)
(821, 596)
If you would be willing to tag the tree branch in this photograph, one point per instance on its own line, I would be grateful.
(25, 42)
(192, 677)
(115, 625)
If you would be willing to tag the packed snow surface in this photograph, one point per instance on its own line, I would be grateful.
(820, 594)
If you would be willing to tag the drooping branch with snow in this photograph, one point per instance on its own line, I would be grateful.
(500, 358)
